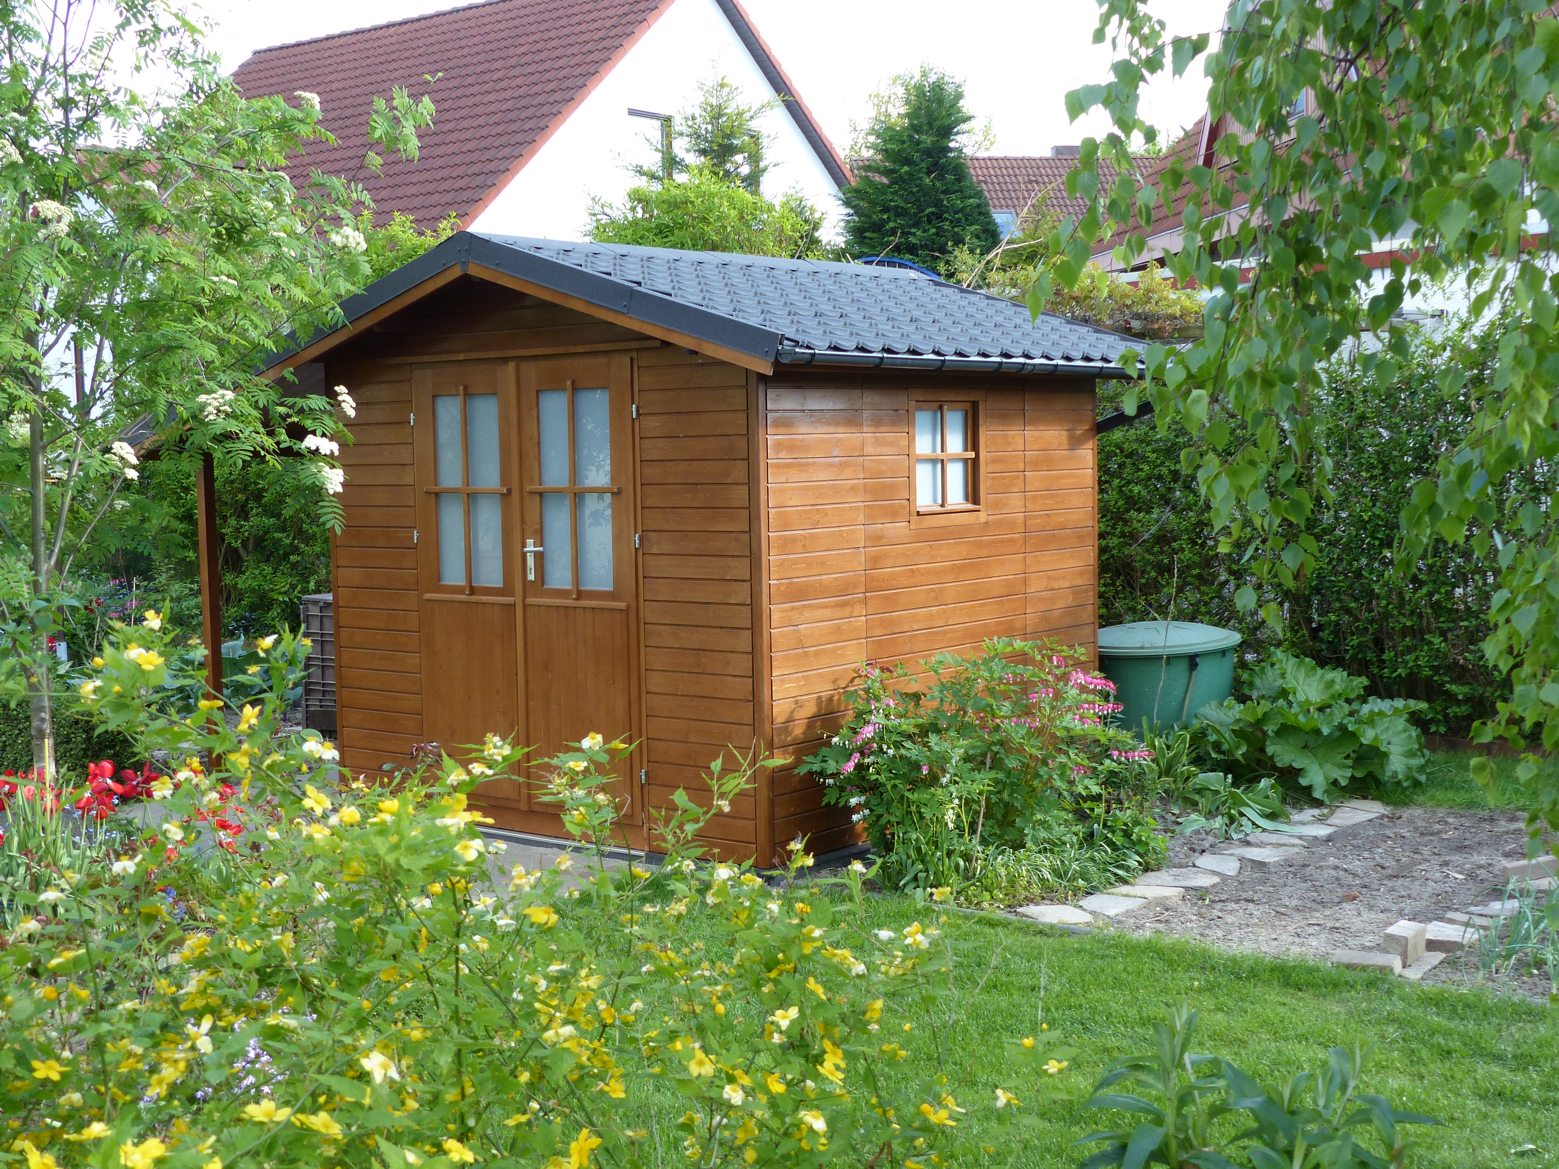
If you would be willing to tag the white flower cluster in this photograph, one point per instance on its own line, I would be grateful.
(309, 101)
(348, 238)
(333, 478)
(321, 445)
(124, 454)
(56, 218)
(346, 402)
(18, 428)
(9, 155)
(216, 405)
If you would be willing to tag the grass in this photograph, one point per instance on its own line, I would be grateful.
(1449, 784)
(1487, 1066)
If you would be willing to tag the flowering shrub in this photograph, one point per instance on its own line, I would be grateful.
(348, 984)
(1010, 749)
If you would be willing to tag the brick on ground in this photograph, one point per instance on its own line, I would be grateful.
(1367, 960)
(1447, 937)
(1532, 870)
(1423, 964)
(1405, 939)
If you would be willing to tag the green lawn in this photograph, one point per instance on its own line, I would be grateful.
(1449, 784)
(1487, 1066)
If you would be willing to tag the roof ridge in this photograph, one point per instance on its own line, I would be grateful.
(349, 32)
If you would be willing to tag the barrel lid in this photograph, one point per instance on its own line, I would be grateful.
(1152, 639)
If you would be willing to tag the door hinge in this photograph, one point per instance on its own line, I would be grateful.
(413, 421)
(644, 775)
(634, 410)
(414, 535)
(636, 539)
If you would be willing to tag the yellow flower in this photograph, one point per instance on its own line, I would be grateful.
(266, 1111)
(142, 1156)
(816, 988)
(209, 704)
(775, 1083)
(458, 1152)
(90, 688)
(214, 1163)
(379, 1065)
(321, 1122)
(47, 1069)
(94, 1131)
(389, 807)
(784, 1018)
(873, 1010)
(153, 620)
(1004, 1098)
(541, 916)
(315, 802)
(1054, 1067)
(579, 1149)
(37, 1160)
(592, 742)
(265, 643)
(349, 816)
(468, 850)
(1028, 1041)
(813, 1120)
(577, 765)
(145, 658)
(734, 1093)
(701, 1065)
(937, 1115)
(247, 718)
(942, 893)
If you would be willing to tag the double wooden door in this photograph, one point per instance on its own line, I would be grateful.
(526, 520)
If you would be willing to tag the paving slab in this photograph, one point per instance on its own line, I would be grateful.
(1345, 817)
(1057, 914)
(1215, 862)
(1367, 960)
(1532, 870)
(1364, 805)
(1422, 965)
(1111, 905)
(1313, 831)
(1472, 919)
(1182, 878)
(1405, 939)
(1446, 937)
(1496, 908)
(1305, 816)
(1149, 892)
(1280, 839)
(1264, 857)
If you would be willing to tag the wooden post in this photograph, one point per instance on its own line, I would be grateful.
(210, 572)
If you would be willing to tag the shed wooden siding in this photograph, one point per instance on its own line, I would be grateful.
(851, 580)
(696, 561)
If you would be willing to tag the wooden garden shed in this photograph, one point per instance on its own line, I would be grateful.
(678, 497)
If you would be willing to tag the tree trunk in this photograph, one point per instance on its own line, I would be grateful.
(38, 674)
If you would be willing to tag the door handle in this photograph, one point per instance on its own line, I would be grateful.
(531, 548)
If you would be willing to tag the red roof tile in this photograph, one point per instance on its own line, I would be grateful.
(1012, 182)
(511, 69)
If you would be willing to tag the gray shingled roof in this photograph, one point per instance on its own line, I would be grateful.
(785, 311)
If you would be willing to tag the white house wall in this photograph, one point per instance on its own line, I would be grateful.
(590, 152)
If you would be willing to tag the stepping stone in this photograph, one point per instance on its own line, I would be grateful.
(1349, 817)
(1111, 905)
(1496, 908)
(1228, 866)
(1367, 960)
(1057, 914)
(1364, 805)
(1305, 816)
(1540, 884)
(1264, 858)
(1181, 878)
(1280, 839)
(1317, 831)
(1422, 965)
(1444, 937)
(1471, 920)
(1149, 892)
(1532, 870)
(1406, 941)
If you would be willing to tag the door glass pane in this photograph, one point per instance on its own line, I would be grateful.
(446, 438)
(928, 431)
(957, 475)
(957, 434)
(451, 531)
(928, 482)
(552, 421)
(482, 442)
(557, 560)
(592, 444)
(595, 541)
(487, 540)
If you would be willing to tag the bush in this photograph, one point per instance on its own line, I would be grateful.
(1012, 749)
(286, 974)
(78, 741)
(1305, 722)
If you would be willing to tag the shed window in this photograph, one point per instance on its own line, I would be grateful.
(575, 436)
(466, 481)
(945, 471)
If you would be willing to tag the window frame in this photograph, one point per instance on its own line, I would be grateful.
(573, 490)
(944, 514)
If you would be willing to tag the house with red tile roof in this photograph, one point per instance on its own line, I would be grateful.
(532, 100)
(1020, 187)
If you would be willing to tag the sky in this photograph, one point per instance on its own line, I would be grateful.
(1017, 58)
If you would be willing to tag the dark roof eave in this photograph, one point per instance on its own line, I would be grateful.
(796, 355)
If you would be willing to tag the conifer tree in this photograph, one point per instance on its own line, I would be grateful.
(914, 196)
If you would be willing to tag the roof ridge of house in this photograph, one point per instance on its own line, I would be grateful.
(348, 32)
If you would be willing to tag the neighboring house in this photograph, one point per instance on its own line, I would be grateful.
(1022, 186)
(532, 100)
(679, 497)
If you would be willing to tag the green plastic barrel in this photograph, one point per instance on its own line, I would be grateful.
(1165, 671)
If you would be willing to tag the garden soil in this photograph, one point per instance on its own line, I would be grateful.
(1416, 864)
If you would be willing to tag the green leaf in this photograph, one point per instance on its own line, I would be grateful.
(1452, 219)
(1144, 1143)
(1504, 176)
